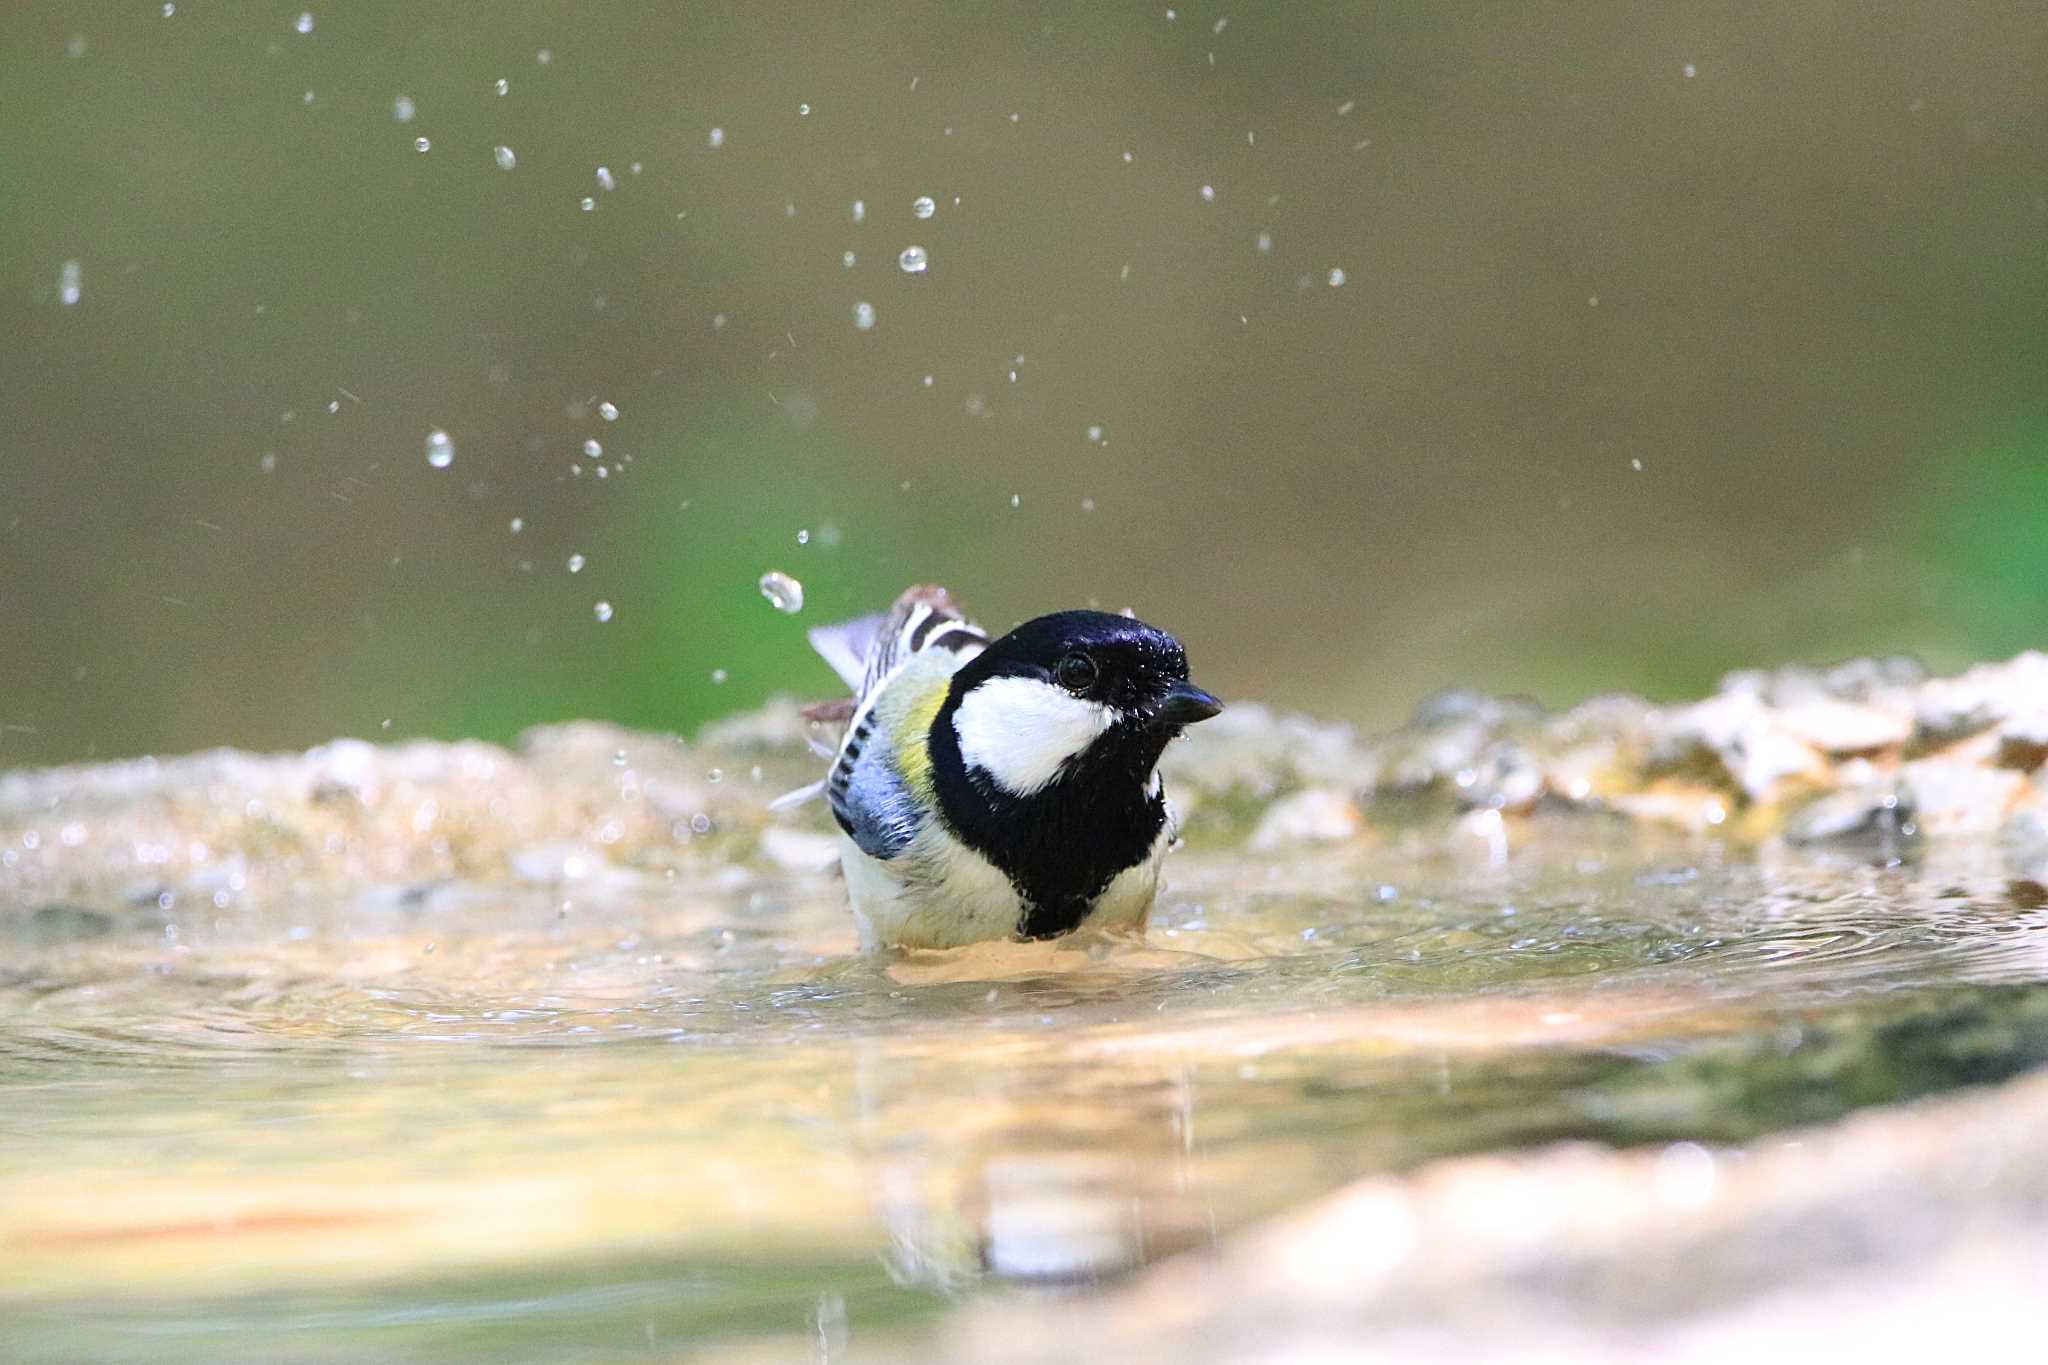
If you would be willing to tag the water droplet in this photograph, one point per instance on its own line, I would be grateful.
(602, 611)
(803, 111)
(927, 381)
(420, 144)
(923, 207)
(576, 563)
(1016, 500)
(716, 775)
(784, 593)
(608, 411)
(169, 10)
(716, 137)
(504, 86)
(604, 178)
(268, 464)
(589, 204)
(1095, 435)
(1636, 465)
(1087, 504)
(592, 449)
(305, 23)
(860, 210)
(1264, 242)
(1220, 25)
(847, 260)
(70, 283)
(803, 537)
(506, 160)
(1690, 71)
(864, 316)
(403, 109)
(440, 449)
(518, 525)
(544, 56)
(718, 676)
(1336, 278)
(913, 260)
(1208, 194)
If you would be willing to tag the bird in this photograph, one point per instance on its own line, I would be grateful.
(1001, 789)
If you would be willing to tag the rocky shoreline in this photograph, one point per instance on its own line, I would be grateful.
(1871, 754)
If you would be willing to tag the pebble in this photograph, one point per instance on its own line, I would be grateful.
(1845, 727)
(1951, 797)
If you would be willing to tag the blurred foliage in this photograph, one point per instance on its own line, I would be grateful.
(1666, 343)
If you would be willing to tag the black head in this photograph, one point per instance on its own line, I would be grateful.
(1137, 671)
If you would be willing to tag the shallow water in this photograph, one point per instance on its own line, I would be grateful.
(660, 1117)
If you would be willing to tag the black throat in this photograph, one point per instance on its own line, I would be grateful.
(1062, 845)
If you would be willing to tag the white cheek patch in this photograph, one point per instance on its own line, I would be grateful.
(1020, 730)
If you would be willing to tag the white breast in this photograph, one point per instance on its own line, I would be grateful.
(938, 894)
(1021, 730)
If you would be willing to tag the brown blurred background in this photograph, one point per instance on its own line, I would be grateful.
(1668, 339)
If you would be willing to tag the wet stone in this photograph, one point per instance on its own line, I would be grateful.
(2023, 741)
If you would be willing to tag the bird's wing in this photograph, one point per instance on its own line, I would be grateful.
(872, 803)
(880, 784)
(868, 652)
(924, 617)
(846, 646)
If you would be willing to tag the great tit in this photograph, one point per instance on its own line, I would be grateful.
(1006, 789)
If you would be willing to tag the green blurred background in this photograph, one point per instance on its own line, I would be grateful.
(1669, 339)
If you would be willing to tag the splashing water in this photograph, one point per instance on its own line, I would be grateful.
(784, 593)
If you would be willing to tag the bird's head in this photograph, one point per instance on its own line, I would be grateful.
(1078, 695)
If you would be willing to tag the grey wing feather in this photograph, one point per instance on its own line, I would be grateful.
(872, 804)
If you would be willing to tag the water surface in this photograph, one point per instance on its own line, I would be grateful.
(662, 1116)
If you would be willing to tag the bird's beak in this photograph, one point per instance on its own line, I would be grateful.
(1184, 704)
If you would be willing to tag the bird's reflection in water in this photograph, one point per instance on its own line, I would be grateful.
(1031, 1173)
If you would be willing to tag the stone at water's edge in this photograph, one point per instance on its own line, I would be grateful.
(1869, 751)
(1920, 1225)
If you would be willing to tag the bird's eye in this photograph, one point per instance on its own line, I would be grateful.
(1075, 672)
